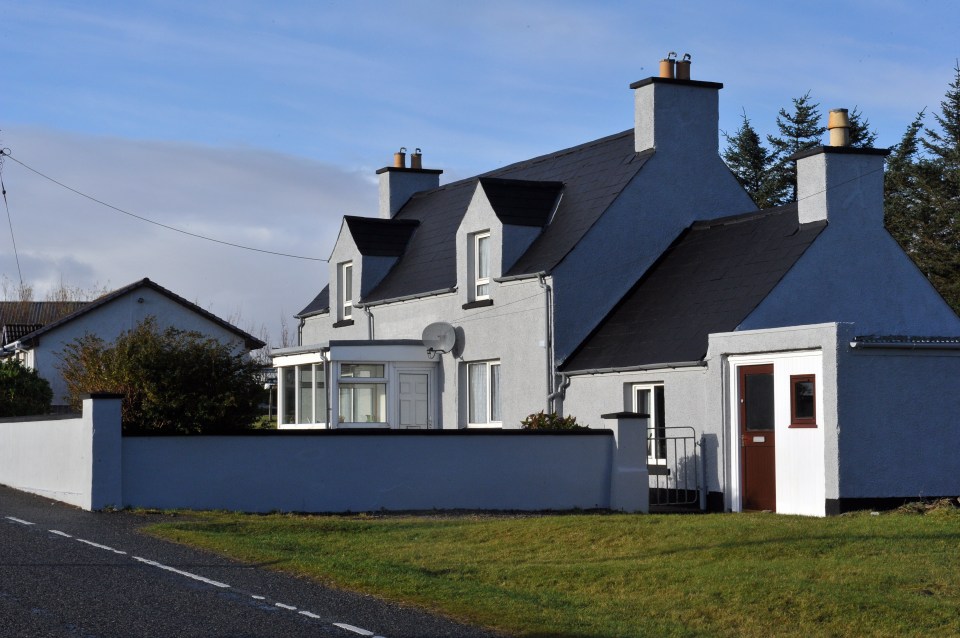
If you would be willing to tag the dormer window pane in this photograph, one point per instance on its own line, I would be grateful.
(481, 251)
(346, 289)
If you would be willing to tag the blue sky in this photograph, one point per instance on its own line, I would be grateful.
(263, 123)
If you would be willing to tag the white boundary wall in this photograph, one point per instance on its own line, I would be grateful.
(73, 460)
(85, 462)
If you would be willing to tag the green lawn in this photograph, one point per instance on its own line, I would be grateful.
(622, 575)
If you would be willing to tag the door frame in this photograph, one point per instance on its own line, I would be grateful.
(760, 439)
(733, 494)
(432, 393)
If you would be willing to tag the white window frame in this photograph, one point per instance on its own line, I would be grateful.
(318, 371)
(343, 381)
(476, 280)
(655, 456)
(345, 289)
(488, 394)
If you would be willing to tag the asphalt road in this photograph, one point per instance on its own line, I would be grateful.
(66, 572)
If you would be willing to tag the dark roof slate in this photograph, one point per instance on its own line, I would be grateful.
(377, 237)
(593, 175)
(36, 312)
(521, 202)
(319, 305)
(250, 341)
(11, 332)
(711, 278)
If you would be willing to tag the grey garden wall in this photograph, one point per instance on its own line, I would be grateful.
(86, 462)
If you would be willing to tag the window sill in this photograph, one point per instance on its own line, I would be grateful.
(486, 426)
(482, 303)
(343, 324)
(802, 425)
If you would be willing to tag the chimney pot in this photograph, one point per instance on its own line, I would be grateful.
(668, 66)
(400, 158)
(416, 160)
(683, 67)
(838, 123)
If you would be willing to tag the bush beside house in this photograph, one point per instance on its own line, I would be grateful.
(173, 381)
(22, 391)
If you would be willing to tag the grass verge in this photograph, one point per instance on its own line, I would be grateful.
(620, 575)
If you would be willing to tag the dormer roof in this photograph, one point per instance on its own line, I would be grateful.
(375, 237)
(521, 202)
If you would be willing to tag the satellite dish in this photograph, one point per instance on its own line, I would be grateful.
(439, 337)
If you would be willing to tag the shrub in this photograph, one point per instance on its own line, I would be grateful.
(23, 392)
(172, 381)
(553, 421)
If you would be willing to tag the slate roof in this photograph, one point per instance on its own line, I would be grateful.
(319, 305)
(11, 332)
(250, 341)
(593, 175)
(36, 312)
(377, 237)
(520, 202)
(711, 278)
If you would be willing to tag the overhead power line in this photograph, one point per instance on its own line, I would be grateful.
(6, 153)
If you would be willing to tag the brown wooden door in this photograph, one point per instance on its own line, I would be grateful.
(757, 441)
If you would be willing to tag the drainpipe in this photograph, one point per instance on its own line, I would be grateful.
(300, 331)
(547, 345)
(561, 390)
(369, 313)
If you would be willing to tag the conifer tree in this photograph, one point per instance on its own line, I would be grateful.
(751, 163)
(860, 134)
(799, 130)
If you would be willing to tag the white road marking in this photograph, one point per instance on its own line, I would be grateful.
(99, 546)
(308, 614)
(182, 573)
(19, 520)
(356, 630)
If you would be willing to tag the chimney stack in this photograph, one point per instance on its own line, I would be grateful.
(674, 114)
(840, 184)
(398, 183)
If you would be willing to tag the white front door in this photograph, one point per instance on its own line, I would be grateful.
(414, 400)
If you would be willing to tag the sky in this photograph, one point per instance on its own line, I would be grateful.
(262, 124)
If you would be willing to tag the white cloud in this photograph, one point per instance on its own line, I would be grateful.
(241, 195)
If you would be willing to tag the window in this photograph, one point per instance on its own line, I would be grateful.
(803, 401)
(362, 393)
(648, 399)
(481, 265)
(483, 394)
(345, 285)
(304, 391)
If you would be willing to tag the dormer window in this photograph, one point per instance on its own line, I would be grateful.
(345, 286)
(481, 265)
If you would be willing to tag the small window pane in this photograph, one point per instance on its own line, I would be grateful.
(483, 257)
(289, 381)
(495, 393)
(363, 402)
(478, 392)
(759, 401)
(483, 290)
(306, 393)
(803, 399)
(320, 397)
(361, 370)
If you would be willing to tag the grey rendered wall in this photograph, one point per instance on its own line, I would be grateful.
(854, 272)
(688, 398)
(362, 472)
(674, 188)
(899, 423)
